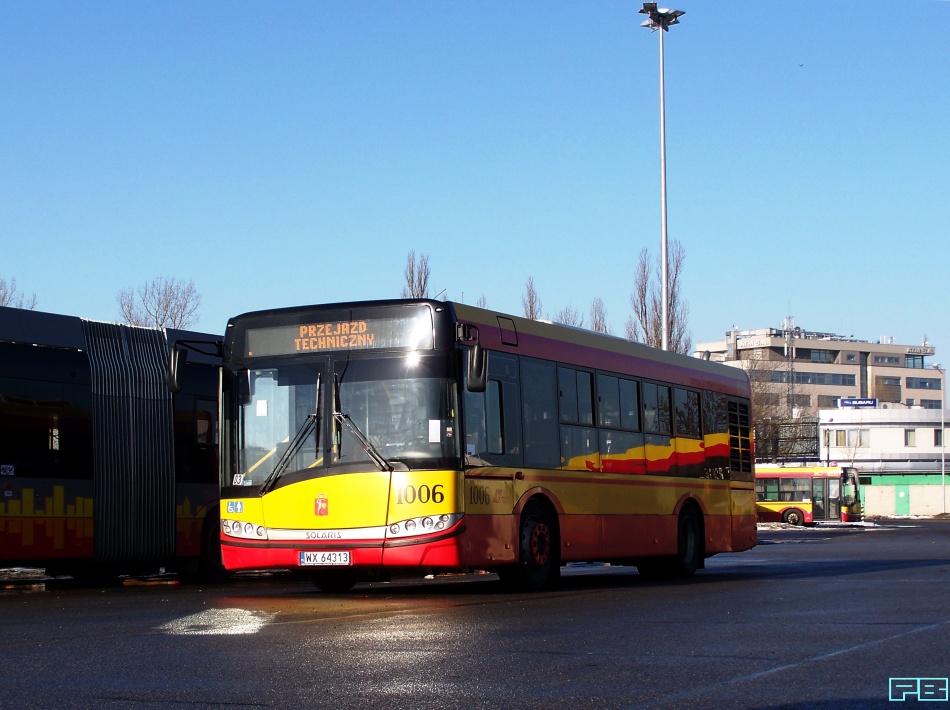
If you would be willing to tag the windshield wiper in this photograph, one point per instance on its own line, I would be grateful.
(348, 424)
(367, 445)
(306, 429)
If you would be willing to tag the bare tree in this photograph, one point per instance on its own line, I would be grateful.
(598, 316)
(646, 323)
(779, 436)
(482, 302)
(417, 277)
(161, 303)
(569, 316)
(531, 301)
(10, 298)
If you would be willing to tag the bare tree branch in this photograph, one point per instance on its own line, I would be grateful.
(598, 316)
(531, 301)
(160, 303)
(417, 276)
(646, 323)
(10, 298)
(569, 316)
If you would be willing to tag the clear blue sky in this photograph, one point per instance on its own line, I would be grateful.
(280, 153)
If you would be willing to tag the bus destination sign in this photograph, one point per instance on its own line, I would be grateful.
(362, 334)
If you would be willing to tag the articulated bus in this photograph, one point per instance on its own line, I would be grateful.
(804, 495)
(103, 470)
(361, 439)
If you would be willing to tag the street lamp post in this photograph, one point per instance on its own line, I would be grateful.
(661, 19)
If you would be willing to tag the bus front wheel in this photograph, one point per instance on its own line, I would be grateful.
(538, 565)
(793, 517)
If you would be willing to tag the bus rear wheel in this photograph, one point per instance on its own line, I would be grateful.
(794, 517)
(689, 549)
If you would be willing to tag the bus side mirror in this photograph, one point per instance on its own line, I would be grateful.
(477, 375)
(177, 357)
(245, 391)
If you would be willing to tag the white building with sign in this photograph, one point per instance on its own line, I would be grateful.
(880, 407)
(900, 456)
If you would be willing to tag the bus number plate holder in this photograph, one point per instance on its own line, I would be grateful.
(325, 558)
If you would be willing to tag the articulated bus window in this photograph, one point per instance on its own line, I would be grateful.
(45, 429)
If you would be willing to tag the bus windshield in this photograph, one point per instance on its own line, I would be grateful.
(293, 418)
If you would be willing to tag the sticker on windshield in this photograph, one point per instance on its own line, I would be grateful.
(435, 431)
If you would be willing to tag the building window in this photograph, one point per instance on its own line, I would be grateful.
(887, 360)
(923, 383)
(938, 437)
(914, 361)
(851, 357)
(859, 438)
(823, 356)
(910, 437)
(800, 400)
(828, 401)
(849, 438)
(931, 403)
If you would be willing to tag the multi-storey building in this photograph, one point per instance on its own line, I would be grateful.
(800, 372)
(876, 406)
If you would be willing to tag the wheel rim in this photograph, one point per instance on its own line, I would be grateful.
(539, 544)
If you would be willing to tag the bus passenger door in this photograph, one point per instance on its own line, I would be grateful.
(819, 499)
(834, 499)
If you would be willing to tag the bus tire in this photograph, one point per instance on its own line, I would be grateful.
(793, 517)
(690, 551)
(538, 564)
(689, 542)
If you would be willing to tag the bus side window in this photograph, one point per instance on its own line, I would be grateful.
(493, 417)
(539, 396)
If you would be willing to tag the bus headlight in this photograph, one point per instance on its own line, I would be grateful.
(243, 530)
(421, 526)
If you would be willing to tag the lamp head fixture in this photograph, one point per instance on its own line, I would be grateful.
(659, 18)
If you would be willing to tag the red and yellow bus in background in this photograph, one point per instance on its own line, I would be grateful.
(363, 438)
(804, 495)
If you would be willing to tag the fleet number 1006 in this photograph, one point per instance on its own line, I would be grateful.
(422, 494)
